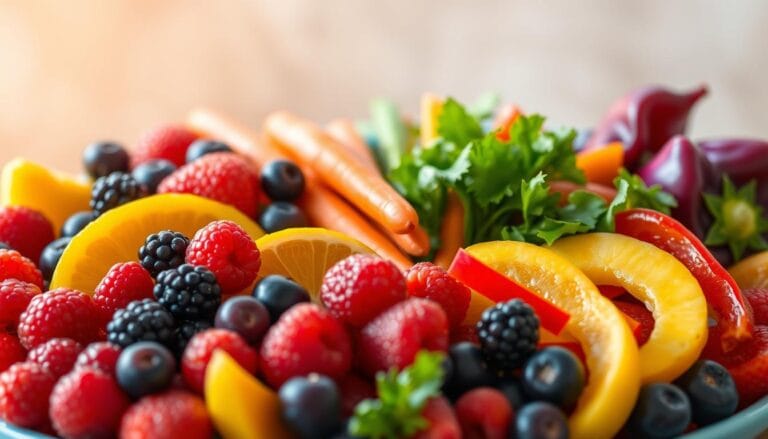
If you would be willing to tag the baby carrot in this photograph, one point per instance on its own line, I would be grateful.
(415, 242)
(344, 132)
(451, 232)
(339, 169)
(506, 116)
(601, 165)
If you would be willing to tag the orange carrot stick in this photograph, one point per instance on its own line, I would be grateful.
(415, 242)
(506, 116)
(601, 165)
(564, 188)
(451, 232)
(344, 132)
(339, 169)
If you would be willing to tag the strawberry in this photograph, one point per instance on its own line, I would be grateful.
(200, 349)
(750, 375)
(354, 389)
(87, 403)
(11, 351)
(758, 298)
(394, 337)
(172, 414)
(359, 287)
(15, 296)
(641, 315)
(25, 230)
(442, 420)
(224, 177)
(57, 355)
(229, 252)
(428, 281)
(100, 355)
(123, 283)
(169, 142)
(60, 313)
(305, 339)
(24, 391)
(15, 266)
(484, 412)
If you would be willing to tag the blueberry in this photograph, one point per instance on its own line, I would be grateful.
(662, 410)
(554, 375)
(711, 390)
(77, 222)
(246, 316)
(541, 420)
(281, 215)
(469, 370)
(144, 368)
(279, 293)
(104, 158)
(201, 147)
(150, 174)
(50, 256)
(510, 387)
(311, 406)
(282, 180)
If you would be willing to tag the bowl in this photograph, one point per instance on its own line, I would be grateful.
(747, 423)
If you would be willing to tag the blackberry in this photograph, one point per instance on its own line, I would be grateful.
(186, 331)
(114, 190)
(142, 320)
(189, 292)
(508, 333)
(163, 251)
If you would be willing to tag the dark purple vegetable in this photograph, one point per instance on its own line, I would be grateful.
(644, 119)
(742, 160)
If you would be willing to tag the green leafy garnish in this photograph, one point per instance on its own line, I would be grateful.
(390, 131)
(739, 221)
(401, 398)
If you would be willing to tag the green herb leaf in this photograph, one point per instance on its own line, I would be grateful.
(484, 107)
(739, 220)
(390, 131)
(456, 125)
(401, 398)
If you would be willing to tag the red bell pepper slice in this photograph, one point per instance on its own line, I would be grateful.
(500, 288)
(611, 291)
(723, 294)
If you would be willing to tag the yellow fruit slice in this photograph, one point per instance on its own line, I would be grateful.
(660, 281)
(240, 406)
(304, 254)
(117, 234)
(55, 195)
(751, 272)
(610, 349)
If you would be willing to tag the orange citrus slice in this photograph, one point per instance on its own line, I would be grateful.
(660, 281)
(751, 272)
(608, 344)
(117, 234)
(55, 195)
(304, 254)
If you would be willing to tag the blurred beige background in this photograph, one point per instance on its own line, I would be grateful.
(74, 71)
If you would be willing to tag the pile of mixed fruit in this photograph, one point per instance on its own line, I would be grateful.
(479, 274)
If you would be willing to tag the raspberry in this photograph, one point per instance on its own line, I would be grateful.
(123, 283)
(353, 390)
(484, 412)
(87, 403)
(509, 334)
(15, 266)
(11, 351)
(224, 177)
(428, 281)
(394, 337)
(305, 339)
(25, 230)
(173, 414)
(57, 355)
(441, 419)
(114, 190)
(358, 288)
(749, 374)
(201, 347)
(163, 251)
(188, 292)
(101, 355)
(141, 320)
(24, 392)
(641, 315)
(167, 142)
(758, 298)
(229, 252)
(60, 313)
(15, 296)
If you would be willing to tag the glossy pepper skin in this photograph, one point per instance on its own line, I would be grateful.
(682, 171)
(644, 119)
(742, 160)
(723, 295)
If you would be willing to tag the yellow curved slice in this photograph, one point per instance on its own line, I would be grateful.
(117, 234)
(240, 406)
(608, 344)
(304, 254)
(55, 195)
(751, 272)
(660, 281)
